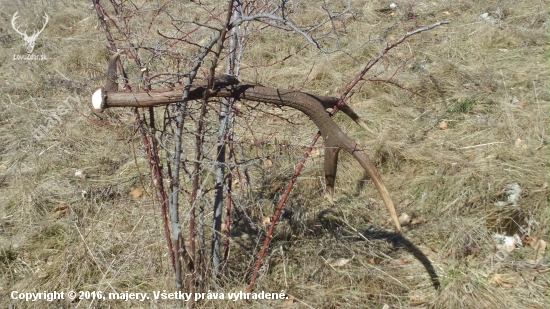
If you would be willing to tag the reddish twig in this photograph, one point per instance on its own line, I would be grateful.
(156, 175)
(279, 208)
(151, 150)
(289, 186)
(288, 56)
(306, 78)
(373, 61)
(398, 85)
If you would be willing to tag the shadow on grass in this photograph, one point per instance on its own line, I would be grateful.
(399, 241)
(331, 221)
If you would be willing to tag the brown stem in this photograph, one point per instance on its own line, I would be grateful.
(229, 200)
(151, 150)
(278, 211)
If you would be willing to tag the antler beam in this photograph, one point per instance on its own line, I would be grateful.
(226, 86)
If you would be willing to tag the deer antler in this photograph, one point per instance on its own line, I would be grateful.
(311, 105)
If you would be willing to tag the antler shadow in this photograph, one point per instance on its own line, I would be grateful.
(399, 241)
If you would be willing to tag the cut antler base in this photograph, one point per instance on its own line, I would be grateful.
(311, 105)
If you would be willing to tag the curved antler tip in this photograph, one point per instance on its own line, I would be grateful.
(111, 84)
(329, 194)
(395, 220)
(364, 125)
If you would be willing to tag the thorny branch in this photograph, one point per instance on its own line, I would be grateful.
(341, 100)
(180, 116)
(151, 150)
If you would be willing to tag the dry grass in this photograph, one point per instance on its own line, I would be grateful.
(487, 79)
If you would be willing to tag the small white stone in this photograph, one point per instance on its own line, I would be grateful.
(79, 173)
(508, 243)
(484, 16)
(404, 219)
(393, 6)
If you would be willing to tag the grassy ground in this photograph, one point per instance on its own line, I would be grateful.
(448, 157)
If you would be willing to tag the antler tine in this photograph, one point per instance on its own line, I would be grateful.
(313, 106)
(339, 140)
(369, 167)
(111, 84)
(330, 165)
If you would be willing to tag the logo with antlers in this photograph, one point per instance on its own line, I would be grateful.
(29, 40)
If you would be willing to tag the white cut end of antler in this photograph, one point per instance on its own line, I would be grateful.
(97, 99)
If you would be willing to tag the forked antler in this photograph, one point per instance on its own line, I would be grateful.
(311, 105)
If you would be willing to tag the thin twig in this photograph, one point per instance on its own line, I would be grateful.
(481, 145)
(349, 87)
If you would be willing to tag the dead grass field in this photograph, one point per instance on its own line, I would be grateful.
(448, 158)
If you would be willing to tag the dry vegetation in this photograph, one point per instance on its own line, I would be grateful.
(479, 126)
